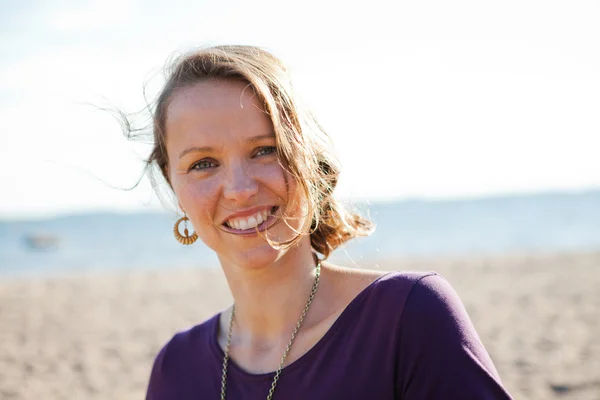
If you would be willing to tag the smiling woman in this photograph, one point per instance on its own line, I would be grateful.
(207, 95)
(254, 173)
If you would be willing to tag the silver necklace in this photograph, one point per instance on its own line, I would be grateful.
(287, 349)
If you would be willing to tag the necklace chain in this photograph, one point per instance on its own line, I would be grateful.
(287, 349)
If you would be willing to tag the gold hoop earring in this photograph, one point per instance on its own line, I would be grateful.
(187, 239)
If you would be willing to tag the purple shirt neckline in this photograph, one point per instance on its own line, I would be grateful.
(405, 336)
(338, 323)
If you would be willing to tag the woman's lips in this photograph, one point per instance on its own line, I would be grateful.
(271, 220)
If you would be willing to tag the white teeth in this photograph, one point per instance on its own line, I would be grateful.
(250, 222)
(260, 219)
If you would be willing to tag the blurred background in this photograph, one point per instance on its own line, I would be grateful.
(468, 131)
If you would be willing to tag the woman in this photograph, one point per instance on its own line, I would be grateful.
(253, 173)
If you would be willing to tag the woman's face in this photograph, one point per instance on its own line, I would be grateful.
(224, 170)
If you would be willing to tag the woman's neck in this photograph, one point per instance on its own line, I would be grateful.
(269, 301)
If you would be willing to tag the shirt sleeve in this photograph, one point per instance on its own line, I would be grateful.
(441, 355)
(156, 385)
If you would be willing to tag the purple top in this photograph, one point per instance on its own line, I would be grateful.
(406, 336)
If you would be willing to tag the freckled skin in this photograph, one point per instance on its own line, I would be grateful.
(234, 175)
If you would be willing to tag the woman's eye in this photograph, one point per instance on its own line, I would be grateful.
(265, 150)
(202, 164)
(206, 164)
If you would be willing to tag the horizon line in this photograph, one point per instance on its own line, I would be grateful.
(158, 209)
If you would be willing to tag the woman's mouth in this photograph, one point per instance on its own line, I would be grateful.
(259, 221)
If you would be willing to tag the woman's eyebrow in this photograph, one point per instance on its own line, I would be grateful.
(209, 148)
(261, 137)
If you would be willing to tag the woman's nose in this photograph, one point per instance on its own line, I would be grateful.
(240, 186)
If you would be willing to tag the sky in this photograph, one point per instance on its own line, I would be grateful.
(428, 99)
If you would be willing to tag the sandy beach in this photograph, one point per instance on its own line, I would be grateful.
(94, 336)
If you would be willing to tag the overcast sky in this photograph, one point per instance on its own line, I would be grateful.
(423, 99)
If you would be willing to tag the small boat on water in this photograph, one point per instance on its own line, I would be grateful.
(42, 241)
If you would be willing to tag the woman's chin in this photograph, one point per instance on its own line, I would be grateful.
(254, 258)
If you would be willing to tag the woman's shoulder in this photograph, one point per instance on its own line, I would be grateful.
(384, 285)
(435, 334)
(405, 284)
(407, 300)
(375, 297)
(418, 297)
(183, 342)
(185, 357)
(415, 301)
(438, 336)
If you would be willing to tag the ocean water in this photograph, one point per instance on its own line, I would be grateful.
(413, 228)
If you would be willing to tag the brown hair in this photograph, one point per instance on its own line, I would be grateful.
(303, 147)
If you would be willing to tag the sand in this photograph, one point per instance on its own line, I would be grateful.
(94, 336)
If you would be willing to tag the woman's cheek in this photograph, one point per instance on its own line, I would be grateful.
(199, 201)
(273, 177)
